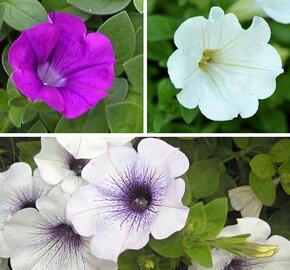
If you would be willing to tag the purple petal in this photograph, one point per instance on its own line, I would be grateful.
(27, 83)
(52, 97)
(75, 104)
(68, 24)
(33, 46)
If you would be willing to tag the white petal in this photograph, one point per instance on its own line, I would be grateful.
(5, 250)
(109, 243)
(109, 163)
(162, 154)
(259, 229)
(71, 183)
(181, 66)
(281, 260)
(50, 161)
(173, 213)
(83, 210)
(243, 199)
(277, 10)
(84, 147)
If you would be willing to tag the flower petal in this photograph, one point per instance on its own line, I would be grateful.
(259, 229)
(161, 153)
(278, 11)
(172, 212)
(27, 83)
(111, 242)
(52, 96)
(5, 250)
(33, 46)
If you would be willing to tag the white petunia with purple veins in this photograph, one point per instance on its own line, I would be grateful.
(47, 240)
(58, 166)
(19, 190)
(131, 195)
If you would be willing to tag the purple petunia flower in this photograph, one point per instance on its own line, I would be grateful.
(131, 195)
(59, 63)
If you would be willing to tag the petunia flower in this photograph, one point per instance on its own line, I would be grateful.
(89, 147)
(243, 199)
(131, 195)
(43, 238)
(260, 233)
(19, 190)
(58, 166)
(58, 63)
(278, 10)
(222, 68)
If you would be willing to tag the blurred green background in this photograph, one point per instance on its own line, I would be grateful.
(165, 114)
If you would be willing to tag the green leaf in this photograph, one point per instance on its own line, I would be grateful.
(4, 99)
(200, 252)
(203, 177)
(284, 172)
(263, 166)
(161, 27)
(120, 30)
(93, 121)
(27, 151)
(139, 5)
(242, 142)
(264, 189)
(171, 247)
(189, 115)
(128, 260)
(22, 14)
(16, 115)
(18, 101)
(216, 213)
(119, 91)
(100, 7)
(134, 71)
(38, 127)
(63, 6)
(280, 151)
(279, 222)
(5, 63)
(125, 117)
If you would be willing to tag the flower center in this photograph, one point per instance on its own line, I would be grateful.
(49, 76)
(77, 165)
(141, 199)
(28, 204)
(235, 264)
(206, 59)
(66, 234)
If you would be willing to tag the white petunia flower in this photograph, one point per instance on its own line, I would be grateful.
(43, 238)
(58, 166)
(243, 199)
(131, 195)
(260, 232)
(89, 147)
(19, 190)
(223, 68)
(278, 10)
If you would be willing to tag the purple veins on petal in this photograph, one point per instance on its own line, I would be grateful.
(60, 64)
(134, 196)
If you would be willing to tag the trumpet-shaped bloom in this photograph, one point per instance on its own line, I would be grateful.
(58, 63)
(260, 232)
(131, 194)
(58, 166)
(89, 147)
(43, 238)
(222, 68)
(19, 190)
(243, 199)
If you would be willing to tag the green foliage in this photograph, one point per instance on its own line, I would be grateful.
(122, 22)
(163, 20)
